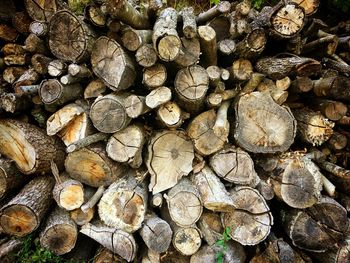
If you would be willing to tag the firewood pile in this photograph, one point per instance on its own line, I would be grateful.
(151, 131)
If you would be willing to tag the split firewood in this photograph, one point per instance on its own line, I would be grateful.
(336, 88)
(170, 149)
(54, 93)
(156, 233)
(29, 146)
(212, 191)
(234, 252)
(112, 64)
(128, 203)
(59, 233)
(154, 76)
(184, 203)
(189, 27)
(116, 240)
(207, 38)
(313, 127)
(165, 37)
(10, 177)
(135, 106)
(146, 56)
(222, 8)
(82, 217)
(126, 146)
(251, 221)
(259, 125)
(234, 165)
(70, 45)
(126, 13)
(68, 193)
(133, 39)
(92, 166)
(158, 97)
(108, 113)
(171, 115)
(23, 214)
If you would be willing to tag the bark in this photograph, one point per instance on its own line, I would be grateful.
(21, 22)
(12, 102)
(117, 71)
(94, 89)
(59, 233)
(56, 68)
(11, 74)
(207, 38)
(251, 221)
(336, 88)
(189, 27)
(154, 76)
(259, 126)
(252, 45)
(79, 71)
(222, 8)
(34, 44)
(92, 166)
(108, 113)
(23, 213)
(29, 147)
(86, 141)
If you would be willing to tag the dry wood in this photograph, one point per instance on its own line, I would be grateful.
(184, 203)
(278, 95)
(86, 141)
(69, 37)
(29, 147)
(170, 156)
(34, 44)
(158, 97)
(259, 126)
(116, 240)
(12, 102)
(25, 83)
(23, 214)
(108, 113)
(95, 15)
(301, 84)
(135, 106)
(156, 233)
(123, 205)
(189, 27)
(171, 115)
(310, 6)
(8, 33)
(212, 191)
(79, 71)
(146, 56)
(21, 22)
(234, 252)
(336, 88)
(11, 74)
(165, 38)
(126, 146)
(41, 11)
(126, 13)
(133, 39)
(222, 8)
(104, 255)
(154, 76)
(56, 68)
(9, 247)
(252, 45)
(59, 233)
(92, 166)
(333, 110)
(313, 127)
(338, 141)
(241, 70)
(251, 220)
(94, 89)
(207, 38)
(81, 217)
(211, 227)
(40, 63)
(157, 200)
(38, 28)
(190, 52)
(112, 64)
(234, 165)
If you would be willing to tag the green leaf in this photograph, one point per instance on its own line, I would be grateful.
(219, 257)
(214, 2)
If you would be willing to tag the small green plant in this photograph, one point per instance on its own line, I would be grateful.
(222, 244)
(214, 2)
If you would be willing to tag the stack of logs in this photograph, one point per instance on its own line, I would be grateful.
(152, 130)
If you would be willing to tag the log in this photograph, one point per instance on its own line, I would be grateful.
(234, 252)
(56, 68)
(116, 240)
(189, 28)
(135, 106)
(25, 83)
(29, 146)
(173, 149)
(171, 115)
(337, 142)
(336, 88)
(38, 28)
(156, 233)
(191, 85)
(252, 45)
(21, 22)
(11, 74)
(146, 56)
(158, 97)
(332, 110)
(187, 240)
(86, 141)
(126, 13)
(59, 233)
(267, 133)
(12, 49)
(104, 255)
(92, 166)
(94, 89)
(310, 6)
(212, 191)
(133, 39)
(41, 11)
(165, 38)
(184, 203)
(126, 146)
(222, 8)
(157, 200)
(95, 15)
(313, 127)
(251, 221)
(241, 70)
(7, 33)
(210, 227)
(108, 113)
(34, 44)
(81, 217)
(207, 39)
(234, 165)
(112, 64)
(123, 205)
(12, 102)
(154, 76)
(23, 213)
(301, 85)
(190, 52)
(79, 71)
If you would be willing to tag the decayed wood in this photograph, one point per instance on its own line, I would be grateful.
(212, 191)
(92, 166)
(165, 38)
(112, 64)
(69, 37)
(189, 27)
(251, 220)
(10, 177)
(170, 156)
(21, 22)
(59, 233)
(207, 38)
(146, 56)
(154, 76)
(108, 113)
(184, 203)
(126, 146)
(123, 205)
(116, 240)
(125, 12)
(41, 11)
(29, 147)
(234, 165)
(262, 125)
(191, 85)
(156, 233)
(313, 127)
(23, 214)
(133, 39)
